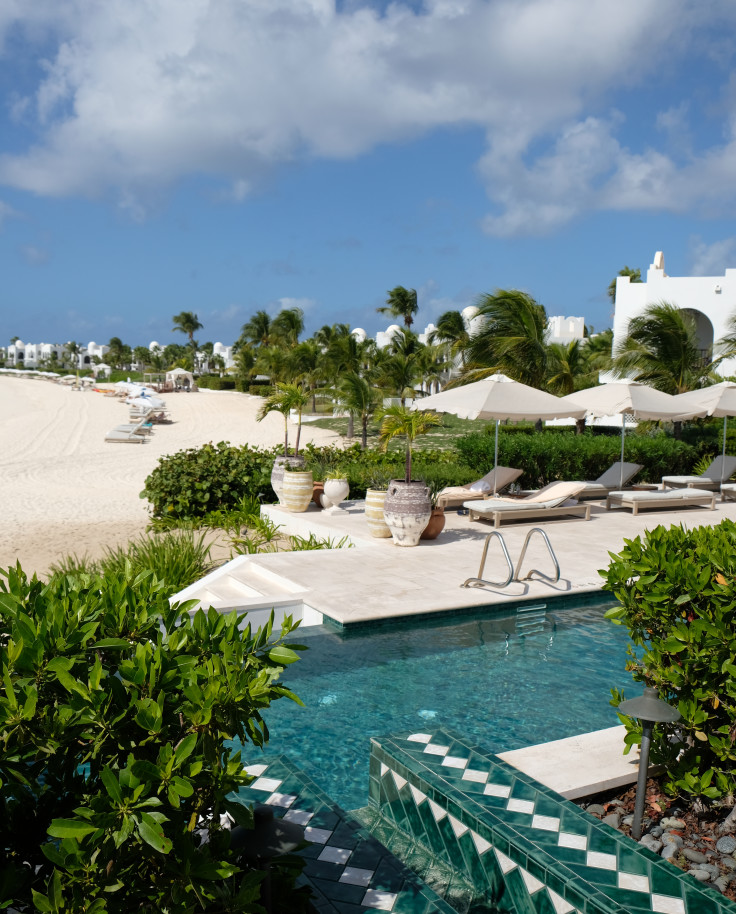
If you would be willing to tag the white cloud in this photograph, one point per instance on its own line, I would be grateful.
(7, 212)
(307, 305)
(138, 94)
(34, 256)
(711, 259)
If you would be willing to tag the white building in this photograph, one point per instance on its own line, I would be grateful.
(565, 329)
(34, 355)
(709, 300)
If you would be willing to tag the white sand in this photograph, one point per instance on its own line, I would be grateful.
(65, 490)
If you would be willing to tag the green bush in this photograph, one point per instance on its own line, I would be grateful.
(546, 456)
(194, 482)
(677, 595)
(115, 772)
(215, 382)
(257, 388)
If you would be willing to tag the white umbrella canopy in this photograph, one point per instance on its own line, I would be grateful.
(627, 398)
(499, 397)
(716, 400)
(154, 402)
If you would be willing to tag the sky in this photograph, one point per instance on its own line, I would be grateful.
(227, 156)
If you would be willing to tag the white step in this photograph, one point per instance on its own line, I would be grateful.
(248, 585)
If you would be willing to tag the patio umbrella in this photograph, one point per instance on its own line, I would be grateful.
(498, 397)
(716, 400)
(147, 401)
(626, 398)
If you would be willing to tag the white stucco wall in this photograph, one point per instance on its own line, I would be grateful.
(711, 296)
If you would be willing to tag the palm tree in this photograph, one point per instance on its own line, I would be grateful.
(116, 352)
(634, 276)
(360, 399)
(511, 339)
(287, 326)
(661, 349)
(401, 374)
(72, 350)
(326, 335)
(598, 350)
(257, 331)
(400, 422)
(569, 369)
(451, 330)
(284, 398)
(188, 322)
(401, 303)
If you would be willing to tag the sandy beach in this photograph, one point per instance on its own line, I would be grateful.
(65, 490)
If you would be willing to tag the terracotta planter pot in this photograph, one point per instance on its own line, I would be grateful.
(406, 511)
(374, 501)
(297, 490)
(317, 491)
(277, 473)
(435, 526)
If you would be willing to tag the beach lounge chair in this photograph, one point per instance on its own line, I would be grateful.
(722, 468)
(610, 480)
(455, 496)
(661, 498)
(558, 499)
(127, 437)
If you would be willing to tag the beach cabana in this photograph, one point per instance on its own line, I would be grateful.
(180, 378)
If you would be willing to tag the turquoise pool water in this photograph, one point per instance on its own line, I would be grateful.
(505, 682)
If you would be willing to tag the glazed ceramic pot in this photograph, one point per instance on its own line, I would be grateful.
(335, 492)
(277, 473)
(297, 490)
(435, 526)
(374, 501)
(406, 510)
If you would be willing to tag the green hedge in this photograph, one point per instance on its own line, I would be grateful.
(546, 456)
(214, 477)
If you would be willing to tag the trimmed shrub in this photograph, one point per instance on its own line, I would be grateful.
(544, 457)
(215, 382)
(194, 482)
(116, 768)
(257, 388)
(677, 595)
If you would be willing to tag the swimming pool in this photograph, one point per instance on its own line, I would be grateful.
(505, 682)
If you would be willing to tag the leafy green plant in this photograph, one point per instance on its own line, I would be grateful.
(402, 422)
(115, 771)
(677, 594)
(197, 481)
(311, 542)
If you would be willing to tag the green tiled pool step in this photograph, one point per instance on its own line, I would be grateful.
(347, 869)
(532, 850)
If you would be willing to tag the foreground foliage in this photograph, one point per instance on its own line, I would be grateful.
(677, 594)
(114, 771)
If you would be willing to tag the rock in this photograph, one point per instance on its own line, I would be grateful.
(656, 831)
(700, 875)
(669, 838)
(726, 844)
(673, 823)
(613, 819)
(627, 820)
(669, 851)
(694, 856)
(617, 803)
(595, 809)
(709, 868)
(652, 843)
(729, 863)
(722, 883)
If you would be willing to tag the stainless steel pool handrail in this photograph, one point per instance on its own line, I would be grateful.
(511, 575)
(509, 563)
(532, 571)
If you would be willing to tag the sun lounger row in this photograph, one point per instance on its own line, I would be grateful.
(130, 433)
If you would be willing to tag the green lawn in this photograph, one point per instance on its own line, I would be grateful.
(441, 437)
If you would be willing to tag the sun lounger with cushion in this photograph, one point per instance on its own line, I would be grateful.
(661, 498)
(454, 496)
(722, 468)
(129, 437)
(558, 499)
(610, 480)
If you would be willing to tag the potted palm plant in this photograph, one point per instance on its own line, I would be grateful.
(407, 507)
(284, 399)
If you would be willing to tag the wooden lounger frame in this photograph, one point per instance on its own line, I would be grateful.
(624, 500)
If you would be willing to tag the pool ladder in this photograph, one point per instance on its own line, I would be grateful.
(511, 575)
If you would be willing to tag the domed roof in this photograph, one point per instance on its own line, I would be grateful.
(359, 334)
(469, 313)
(393, 328)
(153, 345)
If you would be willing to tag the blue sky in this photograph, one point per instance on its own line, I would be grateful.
(223, 156)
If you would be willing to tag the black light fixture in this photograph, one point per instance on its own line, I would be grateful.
(269, 838)
(650, 710)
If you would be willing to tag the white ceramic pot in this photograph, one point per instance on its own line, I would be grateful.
(335, 492)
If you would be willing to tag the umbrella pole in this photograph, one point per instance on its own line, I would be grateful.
(623, 436)
(723, 460)
(495, 459)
